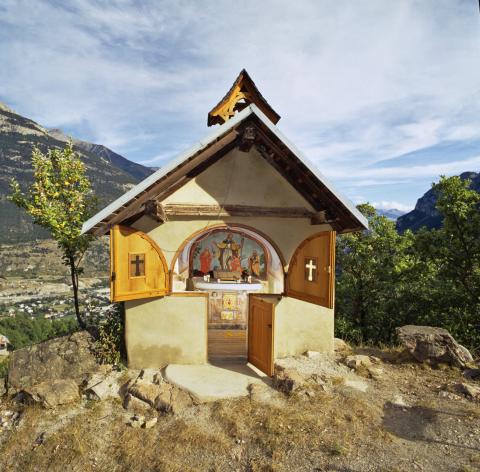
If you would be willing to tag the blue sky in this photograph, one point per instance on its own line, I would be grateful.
(383, 95)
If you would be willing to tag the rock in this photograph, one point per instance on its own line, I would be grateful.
(137, 421)
(68, 357)
(136, 405)
(151, 376)
(163, 401)
(357, 361)
(375, 373)
(150, 423)
(101, 387)
(339, 345)
(179, 401)
(312, 354)
(148, 392)
(287, 380)
(471, 391)
(472, 374)
(399, 401)
(53, 393)
(426, 343)
(448, 395)
(359, 385)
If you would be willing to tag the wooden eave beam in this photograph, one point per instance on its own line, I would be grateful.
(176, 209)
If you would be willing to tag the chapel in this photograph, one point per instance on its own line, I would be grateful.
(227, 254)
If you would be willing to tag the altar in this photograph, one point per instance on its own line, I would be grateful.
(227, 317)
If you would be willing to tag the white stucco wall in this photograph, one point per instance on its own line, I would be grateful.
(160, 331)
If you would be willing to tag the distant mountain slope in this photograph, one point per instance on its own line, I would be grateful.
(136, 170)
(425, 212)
(392, 214)
(111, 174)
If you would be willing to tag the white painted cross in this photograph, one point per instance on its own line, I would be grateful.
(311, 267)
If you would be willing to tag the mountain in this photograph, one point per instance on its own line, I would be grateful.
(425, 212)
(391, 214)
(110, 173)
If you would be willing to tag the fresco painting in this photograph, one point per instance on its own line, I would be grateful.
(228, 250)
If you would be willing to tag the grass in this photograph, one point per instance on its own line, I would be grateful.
(340, 430)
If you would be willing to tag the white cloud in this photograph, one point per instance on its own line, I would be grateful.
(357, 83)
(389, 205)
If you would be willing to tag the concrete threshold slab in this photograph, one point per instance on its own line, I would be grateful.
(207, 383)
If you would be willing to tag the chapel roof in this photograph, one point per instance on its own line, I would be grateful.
(249, 127)
(242, 93)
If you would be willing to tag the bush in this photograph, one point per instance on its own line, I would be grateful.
(3, 368)
(109, 332)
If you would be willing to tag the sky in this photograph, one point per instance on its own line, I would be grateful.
(383, 95)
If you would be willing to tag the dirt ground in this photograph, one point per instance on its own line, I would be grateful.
(404, 421)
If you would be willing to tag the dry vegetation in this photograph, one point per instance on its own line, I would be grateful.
(341, 429)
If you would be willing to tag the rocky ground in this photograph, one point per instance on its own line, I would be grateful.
(366, 410)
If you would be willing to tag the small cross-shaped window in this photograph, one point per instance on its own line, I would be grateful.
(311, 269)
(137, 265)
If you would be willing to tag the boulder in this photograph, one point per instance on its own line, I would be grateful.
(287, 380)
(339, 345)
(436, 345)
(68, 357)
(53, 393)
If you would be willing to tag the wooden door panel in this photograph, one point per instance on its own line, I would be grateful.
(311, 273)
(260, 334)
(138, 267)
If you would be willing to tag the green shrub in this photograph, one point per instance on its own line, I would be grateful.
(110, 331)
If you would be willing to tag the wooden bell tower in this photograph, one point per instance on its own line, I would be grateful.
(242, 93)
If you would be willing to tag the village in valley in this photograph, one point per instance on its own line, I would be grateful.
(225, 299)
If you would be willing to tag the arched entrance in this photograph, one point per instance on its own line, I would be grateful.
(229, 263)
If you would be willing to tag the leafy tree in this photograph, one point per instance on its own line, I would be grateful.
(60, 200)
(453, 253)
(432, 277)
(371, 268)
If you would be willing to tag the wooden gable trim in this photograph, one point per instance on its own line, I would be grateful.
(242, 93)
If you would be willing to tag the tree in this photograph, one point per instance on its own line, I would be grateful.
(371, 268)
(60, 199)
(454, 253)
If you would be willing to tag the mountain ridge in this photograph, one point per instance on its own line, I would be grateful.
(110, 173)
(425, 212)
